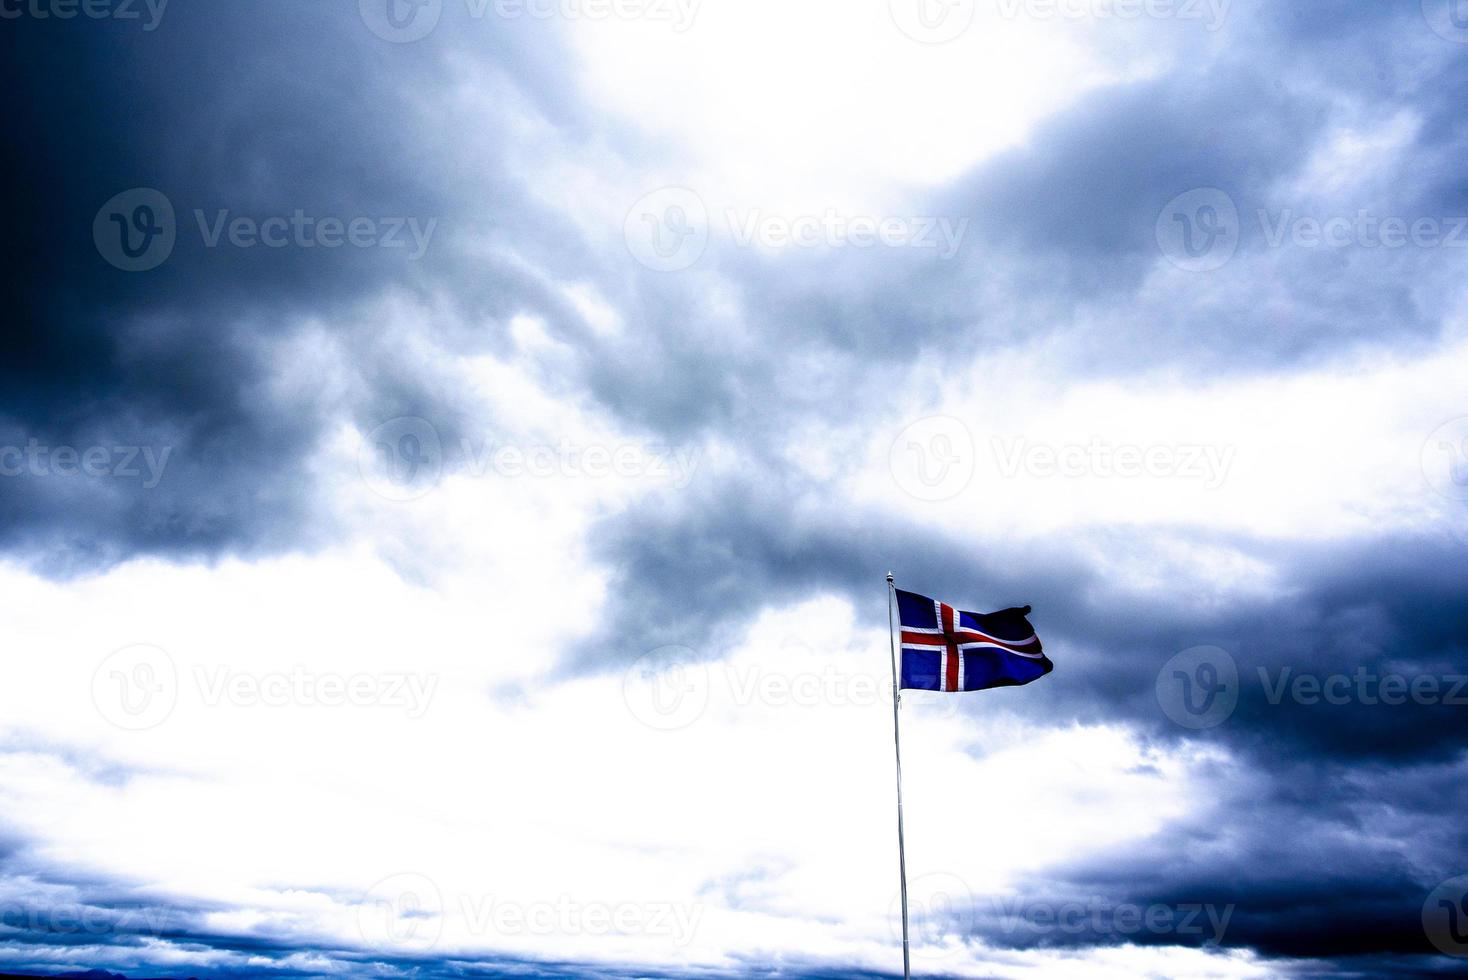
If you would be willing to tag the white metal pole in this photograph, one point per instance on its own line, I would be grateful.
(897, 744)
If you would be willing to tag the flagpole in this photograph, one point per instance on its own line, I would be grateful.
(897, 744)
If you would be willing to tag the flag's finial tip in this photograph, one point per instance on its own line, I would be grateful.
(889, 577)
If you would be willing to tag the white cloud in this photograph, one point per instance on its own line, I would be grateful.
(563, 794)
(1335, 451)
(789, 106)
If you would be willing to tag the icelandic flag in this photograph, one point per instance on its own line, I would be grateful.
(944, 649)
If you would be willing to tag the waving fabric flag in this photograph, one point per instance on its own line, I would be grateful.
(945, 649)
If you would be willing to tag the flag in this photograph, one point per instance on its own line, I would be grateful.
(944, 649)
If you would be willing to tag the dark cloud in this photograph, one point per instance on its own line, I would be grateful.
(730, 550)
(252, 112)
(1320, 864)
(49, 925)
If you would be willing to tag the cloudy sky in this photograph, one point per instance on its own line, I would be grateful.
(450, 452)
